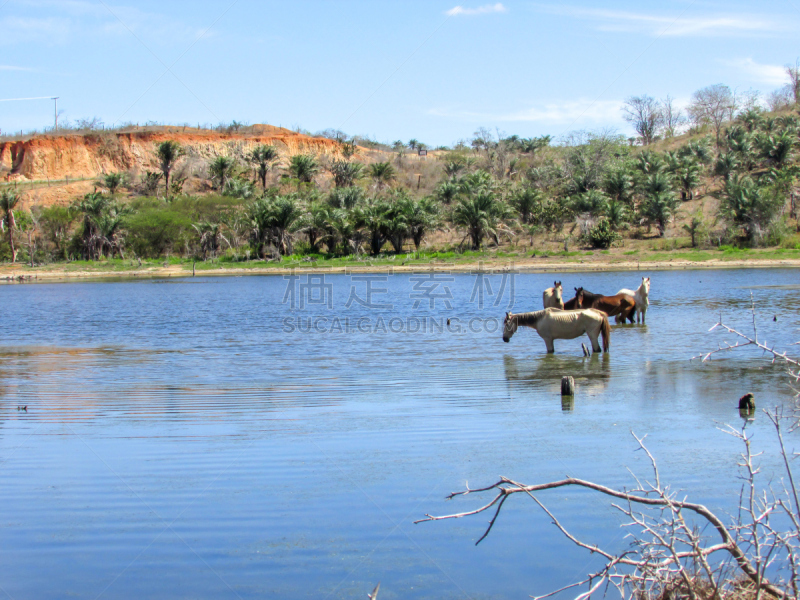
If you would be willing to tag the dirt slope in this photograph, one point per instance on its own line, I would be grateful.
(84, 156)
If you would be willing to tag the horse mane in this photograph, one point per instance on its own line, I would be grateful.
(590, 297)
(529, 319)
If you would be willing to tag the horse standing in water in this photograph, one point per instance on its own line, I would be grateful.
(554, 324)
(621, 304)
(641, 296)
(553, 297)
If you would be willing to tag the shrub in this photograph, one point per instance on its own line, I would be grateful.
(602, 235)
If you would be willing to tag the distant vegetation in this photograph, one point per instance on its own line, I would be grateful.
(723, 174)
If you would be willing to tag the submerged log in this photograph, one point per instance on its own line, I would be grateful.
(567, 386)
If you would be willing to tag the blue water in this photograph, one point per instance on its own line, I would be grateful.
(193, 438)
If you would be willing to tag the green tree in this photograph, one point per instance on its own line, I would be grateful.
(303, 168)
(688, 178)
(113, 181)
(695, 228)
(345, 173)
(749, 205)
(346, 198)
(659, 207)
(221, 170)
(263, 157)
(168, 154)
(56, 221)
(421, 215)
(778, 148)
(315, 224)
(480, 214)
(211, 237)
(447, 191)
(618, 184)
(8, 202)
(382, 174)
(92, 207)
(527, 202)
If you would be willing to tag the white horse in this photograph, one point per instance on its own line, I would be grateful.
(552, 297)
(554, 324)
(641, 297)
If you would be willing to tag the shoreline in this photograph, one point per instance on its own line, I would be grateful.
(24, 274)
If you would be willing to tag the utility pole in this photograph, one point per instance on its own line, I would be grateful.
(55, 110)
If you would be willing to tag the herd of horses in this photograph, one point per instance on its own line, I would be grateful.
(586, 313)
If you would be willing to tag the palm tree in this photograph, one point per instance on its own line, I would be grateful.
(210, 237)
(8, 202)
(372, 218)
(92, 206)
(617, 214)
(593, 202)
(618, 184)
(303, 167)
(778, 148)
(694, 228)
(659, 207)
(479, 214)
(222, 169)
(113, 181)
(725, 165)
(168, 154)
(345, 173)
(315, 224)
(447, 191)
(688, 177)
(527, 203)
(748, 205)
(286, 215)
(453, 167)
(263, 157)
(421, 216)
(346, 197)
(382, 174)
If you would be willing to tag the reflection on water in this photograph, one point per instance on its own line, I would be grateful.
(180, 442)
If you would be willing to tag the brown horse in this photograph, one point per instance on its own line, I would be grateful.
(621, 304)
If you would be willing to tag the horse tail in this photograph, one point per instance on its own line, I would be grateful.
(605, 329)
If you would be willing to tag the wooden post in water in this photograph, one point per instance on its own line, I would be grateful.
(567, 386)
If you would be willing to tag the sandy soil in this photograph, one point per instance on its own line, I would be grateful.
(9, 274)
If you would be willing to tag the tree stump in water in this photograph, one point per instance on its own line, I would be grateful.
(585, 350)
(567, 386)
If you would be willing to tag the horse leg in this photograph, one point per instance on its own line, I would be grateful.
(549, 343)
(644, 310)
(593, 338)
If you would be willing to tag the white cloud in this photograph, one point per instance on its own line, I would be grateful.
(669, 26)
(556, 113)
(481, 10)
(769, 74)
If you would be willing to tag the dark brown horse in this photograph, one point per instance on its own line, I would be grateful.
(621, 304)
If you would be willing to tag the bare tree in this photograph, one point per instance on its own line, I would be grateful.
(713, 105)
(678, 548)
(646, 116)
(793, 71)
(673, 116)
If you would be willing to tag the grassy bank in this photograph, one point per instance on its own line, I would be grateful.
(616, 259)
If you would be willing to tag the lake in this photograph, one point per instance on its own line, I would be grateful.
(251, 437)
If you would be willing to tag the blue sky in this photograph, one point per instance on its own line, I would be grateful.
(432, 70)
